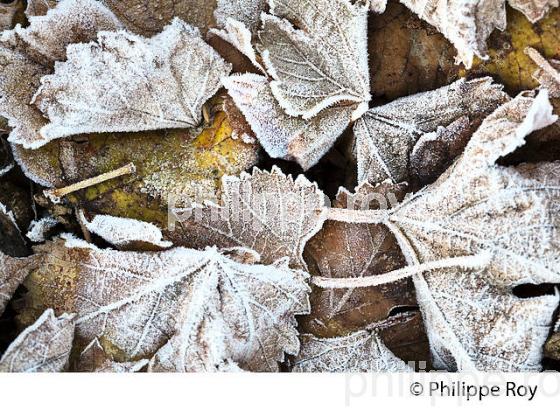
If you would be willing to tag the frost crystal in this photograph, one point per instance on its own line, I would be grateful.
(136, 83)
(42, 347)
(358, 352)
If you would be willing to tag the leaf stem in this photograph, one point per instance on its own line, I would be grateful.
(56, 194)
(468, 262)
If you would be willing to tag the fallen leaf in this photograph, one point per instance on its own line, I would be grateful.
(136, 84)
(246, 12)
(386, 135)
(548, 73)
(13, 271)
(95, 359)
(42, 347)
(269, 212)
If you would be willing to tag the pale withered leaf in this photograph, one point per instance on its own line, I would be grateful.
(134, 302)
(362, 351)
(42, 347)
(13, 271)
(386, 135)
(126, 233)
(95, 359)
(548, 72)
(281, 135)
(135, 83)
(321, 61)
(269, 212)
(468, 25)
(347, 250)
(507, 219)
(30, 53)
(246, 12)
(148, 18)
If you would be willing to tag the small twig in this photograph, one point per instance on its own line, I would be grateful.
(544, 65)
(469, 262)
(56, 194)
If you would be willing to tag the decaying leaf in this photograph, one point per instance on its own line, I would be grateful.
(504, 220)
(319, 62)
(548, 73)
(246, 12)
(281, 135)
(13, 271)
(345, 250)
(135, 83)
(30, 53)
(95, 359)
(8, 13)
(386, 135)
(358, 352)
(468, 26)
(269, 212)
(42, 347)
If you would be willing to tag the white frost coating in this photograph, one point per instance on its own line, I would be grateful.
(38, 230)
(135, 83)
(358, 352)
(281, 135)
(386, 135)
(468, 24)
(268, 212)
(136, 301)
(122, 232)
(239, 36)
(320, 65)
(42, 347)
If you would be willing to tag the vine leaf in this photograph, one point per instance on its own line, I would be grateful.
(508, 214)
(30, 53)
(136, 302)
(361, 351)
(281, 135)
(42, 347)
(469, 26)
(136, 83)
(269, 212)
(386, 135)
(548, 72)
(320, 63)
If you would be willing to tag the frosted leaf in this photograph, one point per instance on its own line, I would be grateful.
(136, 83)
(135, 301)
(265, 211)
(39, 7)
(150, 17)
(239, 36)
(95, 359)
(358, 352)
(39, 229)
(467, 25)
(509, 214)
(281, 135)
(348, 250)
(12, 273)
(386, 135)
(125, 233)
(548, 73)
(319, 62)
(246, 12)
(30, 53)
(42, 347)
